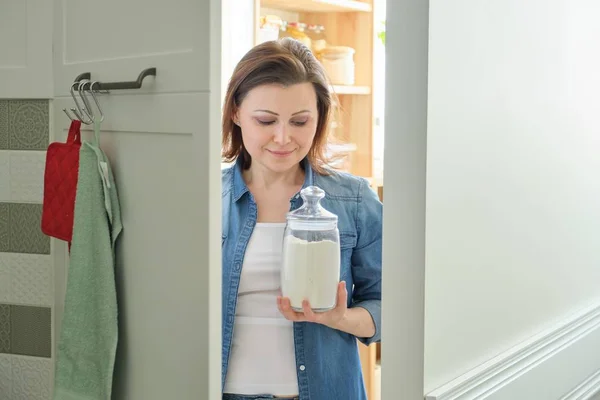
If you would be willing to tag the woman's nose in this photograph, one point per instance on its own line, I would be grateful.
(281, 135)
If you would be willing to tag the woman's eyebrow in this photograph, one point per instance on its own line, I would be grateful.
(274, 113)
(267, 111)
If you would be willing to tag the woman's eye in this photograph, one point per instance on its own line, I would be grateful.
(298, 123)
(263, 122)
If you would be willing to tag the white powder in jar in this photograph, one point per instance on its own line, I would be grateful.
(311, 270)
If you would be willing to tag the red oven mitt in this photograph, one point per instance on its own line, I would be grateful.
(60, 185)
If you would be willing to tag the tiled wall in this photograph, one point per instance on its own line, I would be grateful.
(26, 278)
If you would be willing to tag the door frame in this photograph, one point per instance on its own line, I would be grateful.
(403, 310)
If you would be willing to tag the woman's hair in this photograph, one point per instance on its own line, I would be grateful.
(285, 62)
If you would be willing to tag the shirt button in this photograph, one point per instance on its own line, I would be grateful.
(302, 368)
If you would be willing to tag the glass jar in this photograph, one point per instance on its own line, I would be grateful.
(318, 39)
(283, 32)
(311, 254)
(297, 30)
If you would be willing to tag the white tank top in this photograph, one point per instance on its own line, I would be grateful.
(262, 359)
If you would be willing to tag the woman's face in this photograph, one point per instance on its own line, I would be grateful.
(278, 124)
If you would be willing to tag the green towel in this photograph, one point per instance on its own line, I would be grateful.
(88, 341)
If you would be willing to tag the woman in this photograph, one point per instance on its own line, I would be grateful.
(275, 124)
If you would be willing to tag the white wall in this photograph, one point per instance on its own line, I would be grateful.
(513, 175)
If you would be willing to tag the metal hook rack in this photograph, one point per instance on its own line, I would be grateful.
(94, 87)
(106, 86)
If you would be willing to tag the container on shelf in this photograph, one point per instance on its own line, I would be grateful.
(338, 61)
(318, 39)
(297, 30)
(270, 26)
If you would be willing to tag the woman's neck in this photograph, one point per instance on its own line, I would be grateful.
(260, 177)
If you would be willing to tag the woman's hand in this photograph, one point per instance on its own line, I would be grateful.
(332, 318)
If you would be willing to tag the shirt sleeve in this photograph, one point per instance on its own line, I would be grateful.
(367, 256)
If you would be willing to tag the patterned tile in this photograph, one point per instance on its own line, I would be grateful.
(28, 124)
(31, 378)
(31, 279)
(5, 278)
(5, 376)
(4, 176)
(25, 230)
(27, 175)
(30, 331)
(4, 231)
(3, 124)
(5, 328)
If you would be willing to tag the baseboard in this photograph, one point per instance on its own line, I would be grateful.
(587, 388)
(560, 363)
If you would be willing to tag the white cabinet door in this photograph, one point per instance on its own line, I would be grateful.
(25, 49)
(164, 144)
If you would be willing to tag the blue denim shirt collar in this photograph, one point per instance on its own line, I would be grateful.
(239, 185)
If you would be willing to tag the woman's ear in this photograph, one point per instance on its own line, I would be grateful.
(235, 117)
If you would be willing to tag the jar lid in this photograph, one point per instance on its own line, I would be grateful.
(300, 25)
(311, 215)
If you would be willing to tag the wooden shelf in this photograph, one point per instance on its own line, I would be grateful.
(343, 89)
(318, 6)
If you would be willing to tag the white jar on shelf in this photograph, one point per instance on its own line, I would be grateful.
(338, 61)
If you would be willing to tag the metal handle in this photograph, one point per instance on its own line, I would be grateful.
(100, 86)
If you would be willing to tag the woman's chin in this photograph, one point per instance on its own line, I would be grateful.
(282, 164)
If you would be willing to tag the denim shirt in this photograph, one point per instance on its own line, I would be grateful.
(327, 360)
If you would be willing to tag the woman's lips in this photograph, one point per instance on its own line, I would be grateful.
(280, 153)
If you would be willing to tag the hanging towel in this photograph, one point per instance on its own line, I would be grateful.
(88, 341)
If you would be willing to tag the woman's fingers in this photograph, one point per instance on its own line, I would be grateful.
(285, 307)
(328, 318)
(308, 312)
(342, 299)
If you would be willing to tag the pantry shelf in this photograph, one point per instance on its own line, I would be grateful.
(343, 89)
(319, 5)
